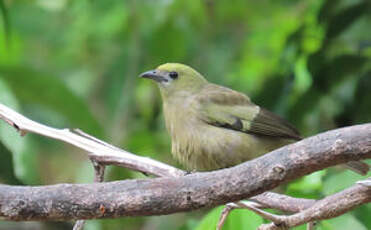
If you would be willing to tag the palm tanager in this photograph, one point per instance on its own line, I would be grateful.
(214, 127)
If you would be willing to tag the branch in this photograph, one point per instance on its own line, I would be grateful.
(109, 155)
(98, 177)
(282, 202)
(169, 194)
(307, 210)
(100, 151)
(329, 207)
(267, 200)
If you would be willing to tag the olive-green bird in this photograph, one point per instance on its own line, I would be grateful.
(215, 127)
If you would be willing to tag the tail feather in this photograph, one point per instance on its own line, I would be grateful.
(358, 167)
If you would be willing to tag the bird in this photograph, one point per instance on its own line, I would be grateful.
(214, 127)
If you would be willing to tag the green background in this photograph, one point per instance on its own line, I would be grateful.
(76, 63)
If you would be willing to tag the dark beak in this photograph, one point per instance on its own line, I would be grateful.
(154, 75)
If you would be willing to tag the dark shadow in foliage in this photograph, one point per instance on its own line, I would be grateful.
(337, 70)
(363, 99)
(327, 73)
(342, 20)
(7, 175)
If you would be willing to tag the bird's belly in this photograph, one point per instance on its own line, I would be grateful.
(210, 148)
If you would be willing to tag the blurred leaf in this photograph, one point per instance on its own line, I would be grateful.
(6, 22)
(336, 70)
(24, 158)
(325, 78)
(340, 181)
(301, 227)
(327, 10)
(6, 167)
(190, 225)
(243, 219)
(93, 225)
(210, 220)
(112, 21)
(237, 219)
(275, 93)
(362, 103)
(304, 104)
(303, 78)
(363, 214)
(342, 20)
(10, 43)
(34, 87)
(344, 222)
(310, 183)
(168, 37)
(147, 101)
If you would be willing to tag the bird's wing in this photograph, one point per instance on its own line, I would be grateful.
(230, 109)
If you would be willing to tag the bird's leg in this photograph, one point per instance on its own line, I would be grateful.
(190, 172)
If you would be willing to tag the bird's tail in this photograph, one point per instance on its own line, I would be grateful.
(358, 167)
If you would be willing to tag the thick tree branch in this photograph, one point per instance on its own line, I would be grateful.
(170, 194)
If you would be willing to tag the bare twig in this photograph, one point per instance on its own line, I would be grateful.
(236, 205)
(225, 212)
(255, 208)
(311, 225)
(267, 200)
(79, 225)
(282, 202)
(99, 171)
(98, 177)
(329, 207)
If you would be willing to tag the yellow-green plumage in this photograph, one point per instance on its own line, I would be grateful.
(201, 139)
(214, 127)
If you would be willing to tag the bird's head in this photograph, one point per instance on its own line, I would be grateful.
(173, 78)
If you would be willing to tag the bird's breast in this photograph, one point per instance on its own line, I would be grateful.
(201, 146)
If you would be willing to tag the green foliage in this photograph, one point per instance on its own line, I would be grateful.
(347, 178)
(7, 171)
(344, 222)
(75, 64)
(52, 93)
(310, 184)
(24, 160)
(238, 219)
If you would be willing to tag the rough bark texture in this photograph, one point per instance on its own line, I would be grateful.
(169, 194)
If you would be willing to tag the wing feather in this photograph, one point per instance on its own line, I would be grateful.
(230, 109)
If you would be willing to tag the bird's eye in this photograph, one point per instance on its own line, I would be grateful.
(173, 74)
